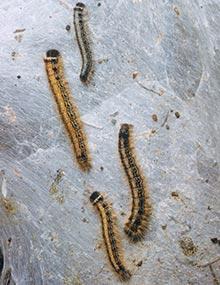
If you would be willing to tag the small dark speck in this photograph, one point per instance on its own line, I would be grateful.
(68, 28)
(19, 31)
(215, 164)
(191, 93)
(171, 111)
(209, 208)
(177, 114)
(201, 6)
(139, 263)
(13, 54)
(206, 181)
(18, 76)
(99, 4)
(154, 118)
(214, 240)
(9, 240)
(174, 194)
(50, 17)
(176, 10)
(135, 74)
(167, 127)
(164, 227)
(113, 121)
(101, 168)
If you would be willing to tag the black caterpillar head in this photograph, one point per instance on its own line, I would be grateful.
(95, 197)
(79, 6)
(52, 53)
(125, 131)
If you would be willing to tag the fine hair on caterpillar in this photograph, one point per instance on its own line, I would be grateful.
(110, 235)
(80, 21)
(67, 108)
(141, 210)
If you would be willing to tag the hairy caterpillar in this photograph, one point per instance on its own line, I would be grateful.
(110, 235)
(67, 108)
(80, 20)
(141, 210)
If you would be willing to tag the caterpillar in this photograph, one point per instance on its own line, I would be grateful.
(141, 209)
(110, 235)
(80, 19)
(67, 108)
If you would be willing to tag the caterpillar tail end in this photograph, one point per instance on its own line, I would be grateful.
(85, 166)
(124, 274)
(84, 162)
(134, 236)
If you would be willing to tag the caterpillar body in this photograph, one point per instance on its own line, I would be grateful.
(110, 235)
(141, 210)
(67, 108)
(80, 19)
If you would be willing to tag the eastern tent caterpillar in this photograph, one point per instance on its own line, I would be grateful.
(67, 108)
(80, 19)
(110, 235)
(141, 207)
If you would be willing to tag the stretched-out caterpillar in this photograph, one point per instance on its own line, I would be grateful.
(141, 210)
(80, 19)
(110, 235)
(67, 108)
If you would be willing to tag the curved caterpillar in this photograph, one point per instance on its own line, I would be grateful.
(80, 16)
(110, 235)
(67, 108)
(141, 210)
